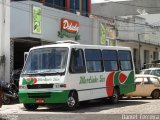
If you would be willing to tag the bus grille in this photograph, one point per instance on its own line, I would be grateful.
(39, 95)
(40, 86)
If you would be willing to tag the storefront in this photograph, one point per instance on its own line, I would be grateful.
(34, 24)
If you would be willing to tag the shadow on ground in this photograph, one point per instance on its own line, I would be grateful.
(94, 106)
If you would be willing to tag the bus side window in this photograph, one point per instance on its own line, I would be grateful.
(77, 64)
(94, 62)
(125, 60)
(110, 60)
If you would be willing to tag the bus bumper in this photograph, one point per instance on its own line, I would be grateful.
(44, 97)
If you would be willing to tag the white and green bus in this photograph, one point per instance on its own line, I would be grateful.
(68, 73)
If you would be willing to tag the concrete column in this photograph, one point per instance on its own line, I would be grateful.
(5, 40)
(89, 7)
(2, 19)
(95, 32)
(67, 5)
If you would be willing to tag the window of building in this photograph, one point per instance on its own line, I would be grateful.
(93, 60)
(155, 55)
(146, 56)
(84, 8)
(110, 60)
(77, 64)
(74, 6)
(59, 4)
(125, 60)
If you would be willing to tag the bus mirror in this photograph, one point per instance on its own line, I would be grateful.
(78, 69)
(25, 56)
(76, 52)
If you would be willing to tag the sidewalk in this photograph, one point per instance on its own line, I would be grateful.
(11, 109)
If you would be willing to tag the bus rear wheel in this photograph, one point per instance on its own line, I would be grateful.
(72, 102)
(31, 107)
(115, 98)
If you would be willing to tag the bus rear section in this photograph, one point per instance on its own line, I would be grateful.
(70, 73)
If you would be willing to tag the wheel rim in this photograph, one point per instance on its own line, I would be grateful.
(71, 101)
(115, 96)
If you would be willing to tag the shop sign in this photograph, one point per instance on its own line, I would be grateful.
(37, 20)
(69, 28)
(102, 31)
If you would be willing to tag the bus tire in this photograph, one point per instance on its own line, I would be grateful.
(72, 102)
(115, 98)
(155, 94)
(31, 107)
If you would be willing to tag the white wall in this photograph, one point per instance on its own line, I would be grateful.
(5, 39)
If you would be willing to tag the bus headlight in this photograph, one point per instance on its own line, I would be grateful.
(59, 86)
(22, 87)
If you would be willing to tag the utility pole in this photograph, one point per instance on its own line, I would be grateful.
(139, 48)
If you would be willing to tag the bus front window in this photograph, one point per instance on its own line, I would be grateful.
(46, 60)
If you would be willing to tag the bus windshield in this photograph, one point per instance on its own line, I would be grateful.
(46, 61)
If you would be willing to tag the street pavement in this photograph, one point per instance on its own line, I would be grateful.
(136, 107)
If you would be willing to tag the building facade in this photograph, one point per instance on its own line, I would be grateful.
(36, 23)
(82, 7)
(25, 24)
(133, 31)
(143, 38)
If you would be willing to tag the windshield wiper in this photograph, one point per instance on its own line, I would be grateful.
(51, 73)
(45, 73)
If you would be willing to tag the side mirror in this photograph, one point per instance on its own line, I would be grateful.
(25, 55)
(75, 69)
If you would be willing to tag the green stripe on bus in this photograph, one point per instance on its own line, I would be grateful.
(48, 97)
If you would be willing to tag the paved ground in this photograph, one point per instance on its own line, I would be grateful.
(134, 106)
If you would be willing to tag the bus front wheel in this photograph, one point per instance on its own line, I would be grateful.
(72, 102)
(31, 107)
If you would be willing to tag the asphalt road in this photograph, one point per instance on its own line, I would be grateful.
(136, 108)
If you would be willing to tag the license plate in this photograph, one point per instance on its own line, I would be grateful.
(39, 101)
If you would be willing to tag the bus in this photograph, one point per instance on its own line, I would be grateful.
(68, 72)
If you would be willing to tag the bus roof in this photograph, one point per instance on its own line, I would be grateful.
(78, 45)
